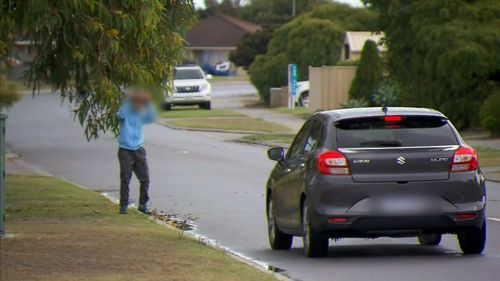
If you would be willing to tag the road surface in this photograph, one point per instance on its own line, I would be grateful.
(221, 185)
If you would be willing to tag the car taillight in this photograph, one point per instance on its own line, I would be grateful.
(464, 159)
(333, 163)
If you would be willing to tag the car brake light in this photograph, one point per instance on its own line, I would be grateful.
(393, 118)
(337, 220)
(464, 159)
(333, 163)
(465, 217)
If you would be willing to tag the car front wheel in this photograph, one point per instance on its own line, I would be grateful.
(206, 105)
(472, 240)
(315, 244)
(277, 239)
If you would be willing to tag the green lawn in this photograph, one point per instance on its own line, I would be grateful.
(488, 157)
(63, 232)
(191, 112)
(229, 124)
(301, 112)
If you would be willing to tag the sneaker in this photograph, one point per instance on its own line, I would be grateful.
(144, 209)
(123, 210)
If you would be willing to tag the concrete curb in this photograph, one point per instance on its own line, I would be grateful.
(213, 244)
(209, 130)
(260, 143)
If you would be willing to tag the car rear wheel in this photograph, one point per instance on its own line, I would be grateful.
(206, 105)
(472, 240)
(277, 239)
(167, 106)
(315, 244)
(429, 239)
(304, 99)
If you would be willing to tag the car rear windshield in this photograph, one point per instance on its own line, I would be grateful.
(183, 74)
(395, 131)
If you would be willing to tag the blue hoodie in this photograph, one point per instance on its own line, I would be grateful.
(131, 121)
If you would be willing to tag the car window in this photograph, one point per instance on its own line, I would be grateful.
(315, 137)
(298, 143)
(402, 131)
(183, 74)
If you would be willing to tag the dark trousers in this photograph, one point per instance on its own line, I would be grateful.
(133, 161)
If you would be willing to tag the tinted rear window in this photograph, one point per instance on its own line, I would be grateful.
(409, 131)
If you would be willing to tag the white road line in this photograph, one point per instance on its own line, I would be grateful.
(494, 219)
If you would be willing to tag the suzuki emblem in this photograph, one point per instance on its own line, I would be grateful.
(401, 160)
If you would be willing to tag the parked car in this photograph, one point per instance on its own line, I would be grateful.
(372, 172)
(190, 87)
(302, 97)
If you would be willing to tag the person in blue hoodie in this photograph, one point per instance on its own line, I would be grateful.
(136, 110)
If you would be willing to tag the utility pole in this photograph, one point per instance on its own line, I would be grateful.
(294, 7)
(2, 173)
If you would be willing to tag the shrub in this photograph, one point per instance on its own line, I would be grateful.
(312, 39)
(368, 74)
(8, 93)
(267, 72)
(353, 103)
(490, 114)
(388, 93)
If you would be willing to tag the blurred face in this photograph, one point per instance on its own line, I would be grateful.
(140, 99)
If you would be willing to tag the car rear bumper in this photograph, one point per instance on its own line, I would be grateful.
(188, 98)
(377, 226)
(358, 204)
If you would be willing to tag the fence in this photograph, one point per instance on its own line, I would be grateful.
(329, 86)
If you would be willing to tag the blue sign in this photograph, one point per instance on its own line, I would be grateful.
(292, 79)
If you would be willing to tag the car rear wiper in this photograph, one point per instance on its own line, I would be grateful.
(385, 143)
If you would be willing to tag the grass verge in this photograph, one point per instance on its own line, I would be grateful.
(63, 232)
(197, 113)
(301, 112)
(488, 157)
(229, 124)
(216, 79)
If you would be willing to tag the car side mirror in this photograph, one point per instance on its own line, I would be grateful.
(276, 153)
(209, 76)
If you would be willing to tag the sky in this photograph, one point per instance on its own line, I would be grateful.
(356, 3)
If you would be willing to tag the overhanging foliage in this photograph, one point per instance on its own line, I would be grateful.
(89, 50)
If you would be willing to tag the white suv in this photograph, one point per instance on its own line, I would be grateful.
(190, 87)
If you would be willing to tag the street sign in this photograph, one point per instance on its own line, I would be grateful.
(2, 174)
(292, 85)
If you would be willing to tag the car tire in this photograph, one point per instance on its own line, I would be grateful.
(167, 106)
(205, 105)
(472, 240)
(315, 244)
(429, 239)
(277, 239)
(304, 99)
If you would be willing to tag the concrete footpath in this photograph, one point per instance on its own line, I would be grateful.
(287, 120)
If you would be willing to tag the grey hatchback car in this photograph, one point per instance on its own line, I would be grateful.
(374, 172)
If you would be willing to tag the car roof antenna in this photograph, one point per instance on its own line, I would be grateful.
(384, 108)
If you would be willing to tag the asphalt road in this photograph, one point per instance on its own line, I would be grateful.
(221, 184)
